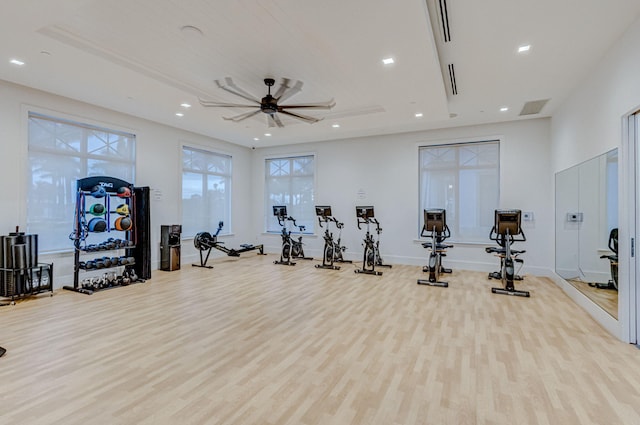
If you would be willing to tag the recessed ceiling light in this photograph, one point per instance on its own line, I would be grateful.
(267, 134)
(335, 125)
(16, 62)
(419, 115)
(524, 48)
(504, 109)
(388, 61)
(185, 105)
(179, 114)
(256, 139)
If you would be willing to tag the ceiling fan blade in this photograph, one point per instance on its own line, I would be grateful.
(244, 116)
(284, 85)
(209, 103)
(274, 121)
(320, 105)
(290, 91)
(304, 118)
(232, 88)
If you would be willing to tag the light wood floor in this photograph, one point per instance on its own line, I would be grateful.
(250, 342)
(607, 299)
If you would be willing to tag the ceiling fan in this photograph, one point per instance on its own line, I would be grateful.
(269, 104)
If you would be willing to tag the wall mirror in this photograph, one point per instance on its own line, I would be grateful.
(586, 214)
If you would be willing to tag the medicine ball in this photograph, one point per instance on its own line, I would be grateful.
(124, 192)
(97, 224)
(96, 209)
(122, 209)
(98, 191)
(123, 223)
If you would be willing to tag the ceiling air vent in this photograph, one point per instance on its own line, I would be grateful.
(452, 79)
(444, 19)
(533, 107)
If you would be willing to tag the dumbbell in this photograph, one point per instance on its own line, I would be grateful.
(132, 275)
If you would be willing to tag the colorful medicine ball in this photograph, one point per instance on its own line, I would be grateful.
(122, 209)
(96, 209)
(124, 192)
(97, 224)
(98, 191)
(123, 223)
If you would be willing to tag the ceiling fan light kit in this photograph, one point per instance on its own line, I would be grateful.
(269, 104)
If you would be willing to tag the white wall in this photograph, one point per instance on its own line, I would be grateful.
(386, 169)
(588, 124)
(157, 166)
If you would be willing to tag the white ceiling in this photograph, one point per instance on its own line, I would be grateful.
(136, 57)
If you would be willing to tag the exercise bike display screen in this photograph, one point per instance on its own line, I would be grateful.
(323, 211)
(435, 218)
(280, 210)
(508, 220)
(364, 212)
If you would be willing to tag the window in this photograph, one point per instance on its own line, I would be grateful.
(290, 182)
(206, 191)
(464, 179)
(60, 153)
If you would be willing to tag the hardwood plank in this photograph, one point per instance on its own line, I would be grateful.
(251, 342)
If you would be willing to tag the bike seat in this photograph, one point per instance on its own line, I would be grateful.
(495, 250)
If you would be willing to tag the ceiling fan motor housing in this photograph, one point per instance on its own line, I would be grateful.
(269, 105)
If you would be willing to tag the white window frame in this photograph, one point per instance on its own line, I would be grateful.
(226, 217)
(271, 225)
(453, 216)
(63, 220)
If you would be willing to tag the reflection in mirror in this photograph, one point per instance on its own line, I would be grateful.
(586, 216)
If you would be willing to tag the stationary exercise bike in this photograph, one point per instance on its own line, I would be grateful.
(371, 256)
(505, 231)
(332, 248)
(613, 262)
(291, 248)
(435, 224)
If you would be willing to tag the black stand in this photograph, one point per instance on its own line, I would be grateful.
(101, 191)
